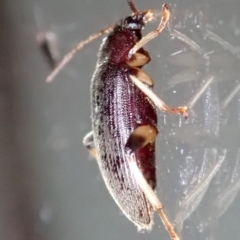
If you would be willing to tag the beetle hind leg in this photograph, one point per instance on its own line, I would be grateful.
(141, 137)
(88, 142)
(151, 196)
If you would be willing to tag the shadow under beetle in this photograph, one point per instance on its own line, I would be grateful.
(124, 119)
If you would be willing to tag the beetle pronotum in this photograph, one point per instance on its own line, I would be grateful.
(124, 119)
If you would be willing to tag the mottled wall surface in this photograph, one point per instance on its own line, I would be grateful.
(50, 188)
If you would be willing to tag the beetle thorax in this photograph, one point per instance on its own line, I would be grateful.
(123, 38)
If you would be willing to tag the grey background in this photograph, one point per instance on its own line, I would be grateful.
(50, 188)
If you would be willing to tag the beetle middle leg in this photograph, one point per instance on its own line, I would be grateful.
(156, 100)
(88, 142)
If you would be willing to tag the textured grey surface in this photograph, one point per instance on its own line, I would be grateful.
(50, 188)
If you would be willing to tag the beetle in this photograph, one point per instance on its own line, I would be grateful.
(124, 118)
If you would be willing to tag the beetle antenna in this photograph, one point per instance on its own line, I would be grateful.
(132, 6)
(70, 55)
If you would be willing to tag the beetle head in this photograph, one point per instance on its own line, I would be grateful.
(137, 20)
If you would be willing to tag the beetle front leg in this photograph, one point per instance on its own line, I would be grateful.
(156, 100)
(154, 33)
(138, 59)
(88, 142)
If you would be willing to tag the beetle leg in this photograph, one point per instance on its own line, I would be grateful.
(157, 101)
(88, 142)
(138, 60)
(152, 197)
(141, 136)
(154, 33)
(142, 76)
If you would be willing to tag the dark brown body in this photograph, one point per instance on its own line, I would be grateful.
(118, 107)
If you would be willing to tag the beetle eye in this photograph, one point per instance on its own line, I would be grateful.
(134, 26)
(134, 22)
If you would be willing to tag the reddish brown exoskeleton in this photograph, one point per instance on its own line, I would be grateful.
(124, 119)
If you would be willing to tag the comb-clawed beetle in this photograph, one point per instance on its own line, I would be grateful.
(124, 119)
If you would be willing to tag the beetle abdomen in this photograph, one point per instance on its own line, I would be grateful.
(118, 107)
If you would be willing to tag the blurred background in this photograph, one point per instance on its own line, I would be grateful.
(50, 188)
